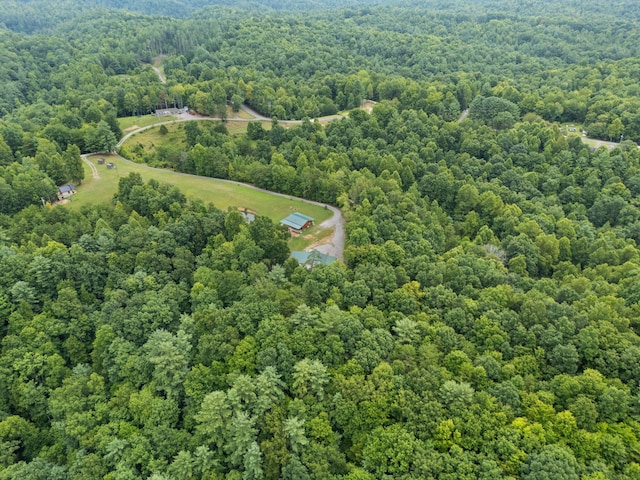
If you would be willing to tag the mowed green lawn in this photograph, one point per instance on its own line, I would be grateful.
(152, 138)
(209, 190)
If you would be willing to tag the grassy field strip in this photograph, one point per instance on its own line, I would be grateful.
(151, 138)
(222, 194)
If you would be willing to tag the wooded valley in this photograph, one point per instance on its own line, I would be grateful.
(484, 323)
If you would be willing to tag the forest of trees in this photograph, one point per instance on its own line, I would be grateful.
(485, 322)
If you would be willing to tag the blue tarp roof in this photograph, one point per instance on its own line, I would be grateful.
(296, 220)
(66, 188)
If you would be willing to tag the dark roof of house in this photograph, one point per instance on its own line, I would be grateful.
(296, 220)
(66, 188)
(313, 257)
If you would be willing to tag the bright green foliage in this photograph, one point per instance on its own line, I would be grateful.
(391, 451)
(252, 463)
(484, 321)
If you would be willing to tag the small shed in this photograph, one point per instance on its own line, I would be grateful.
(101, 161)
(111, 166)
(297, 222)
(312, 258)
(65, 191)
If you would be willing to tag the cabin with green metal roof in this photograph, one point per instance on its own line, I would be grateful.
(312, 258)
(297, 222)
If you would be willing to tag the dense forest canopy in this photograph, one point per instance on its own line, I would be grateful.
(565, 63)
(30, 16)
(485, 322)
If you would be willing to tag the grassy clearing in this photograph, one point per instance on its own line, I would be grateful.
(221, 194)
(571, 129)
(575, 130)
(152, 138)
(239, 114)
(240, 128)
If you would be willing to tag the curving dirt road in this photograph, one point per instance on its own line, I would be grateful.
(94, 170)
(335, 245)
(595, 143)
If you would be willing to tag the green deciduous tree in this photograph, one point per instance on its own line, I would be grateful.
(553, 462)
(101, 138)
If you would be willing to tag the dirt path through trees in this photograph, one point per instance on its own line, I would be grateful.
(159, 73)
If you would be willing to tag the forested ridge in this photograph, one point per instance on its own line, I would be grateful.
(484, 323)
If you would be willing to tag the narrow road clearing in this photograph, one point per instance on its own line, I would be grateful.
(333, 245)
(160, 74)
(600, 143)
